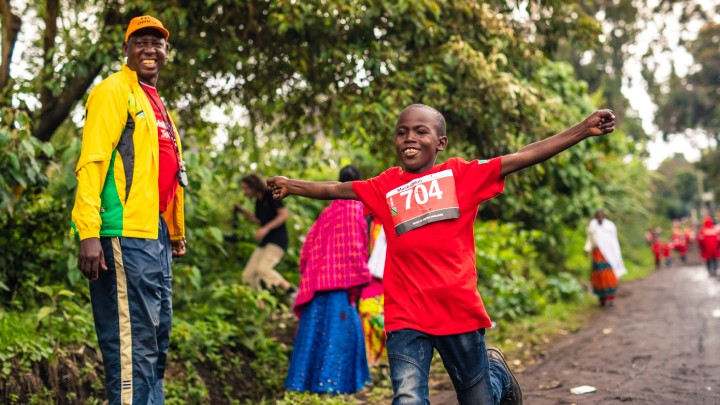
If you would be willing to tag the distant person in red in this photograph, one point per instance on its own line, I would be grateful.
(679, 244)
(708, 243)
(657, 249)
(667, 253)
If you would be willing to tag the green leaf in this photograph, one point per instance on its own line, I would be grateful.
(47, 148)
(28, 146)
(14, 161)
(44, 311)
(216, 233)
(47, 290)
(65, 293)
(5, 137)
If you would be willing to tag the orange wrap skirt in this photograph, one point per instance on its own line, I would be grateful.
(603, 277)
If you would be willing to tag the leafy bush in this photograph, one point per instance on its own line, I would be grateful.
(22, 157)
(563, 287)
(20, 346)
(226, 335)
(34, 222)
(68, 317)
(510, 282)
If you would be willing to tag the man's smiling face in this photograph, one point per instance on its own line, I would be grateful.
(146, 51)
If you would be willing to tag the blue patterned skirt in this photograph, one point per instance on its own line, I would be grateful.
(329, 351)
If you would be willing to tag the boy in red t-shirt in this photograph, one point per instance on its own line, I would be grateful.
(430, 280)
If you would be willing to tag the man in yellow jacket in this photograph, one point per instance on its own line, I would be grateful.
(129, 216)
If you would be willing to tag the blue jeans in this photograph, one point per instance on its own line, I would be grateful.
(476, 380)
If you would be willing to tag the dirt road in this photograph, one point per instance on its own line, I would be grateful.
(659, 345)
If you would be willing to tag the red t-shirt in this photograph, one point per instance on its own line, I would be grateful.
(657, 249)
(430, 277)
(708, 242)
(167, 175)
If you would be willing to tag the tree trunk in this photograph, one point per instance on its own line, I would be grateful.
(46, 74)
(55, 109)
(10, 29)
(54, 112)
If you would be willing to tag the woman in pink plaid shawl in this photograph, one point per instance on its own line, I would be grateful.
(329, 350)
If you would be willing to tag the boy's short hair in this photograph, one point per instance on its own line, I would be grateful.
(255, 182)
(349, 173)
(439, 118)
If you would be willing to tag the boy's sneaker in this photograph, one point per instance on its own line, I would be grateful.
(514, 396)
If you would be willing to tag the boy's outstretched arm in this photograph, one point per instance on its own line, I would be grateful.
(281, 187)
(598, 123)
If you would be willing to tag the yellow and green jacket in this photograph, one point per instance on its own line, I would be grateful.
(117, 172)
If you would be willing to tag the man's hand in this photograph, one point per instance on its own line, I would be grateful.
(599, 123)
(261, 233)
(90, 258)
(178, 248)
(278, 187)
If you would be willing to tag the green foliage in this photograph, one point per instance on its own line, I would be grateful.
(504, 249)
(297, 398)
(227, 330)
(186, 388)
(510, 282)
(42, 249)
(67, 316)
(601, 63)
(636, 252)
(676, 188)
(691, 102)
(20, 346)
(34, 221)
(23, 159)
(38, 347)
(511, 297)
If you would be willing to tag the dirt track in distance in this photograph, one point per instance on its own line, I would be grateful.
(659, 345)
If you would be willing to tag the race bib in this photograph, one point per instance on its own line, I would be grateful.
(429, 199)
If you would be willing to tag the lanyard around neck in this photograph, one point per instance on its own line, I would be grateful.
(166, 120)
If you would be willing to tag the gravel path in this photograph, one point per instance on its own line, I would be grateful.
(659, 345)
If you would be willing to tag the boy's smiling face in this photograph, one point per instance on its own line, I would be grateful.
(417, 139)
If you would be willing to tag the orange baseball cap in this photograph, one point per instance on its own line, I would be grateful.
(145, 21)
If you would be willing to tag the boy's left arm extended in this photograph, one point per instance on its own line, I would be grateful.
(600, 122)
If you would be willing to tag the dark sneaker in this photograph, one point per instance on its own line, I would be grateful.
(514, 396)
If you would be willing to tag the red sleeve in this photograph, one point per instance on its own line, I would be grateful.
(368, 191)
(481, 178)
